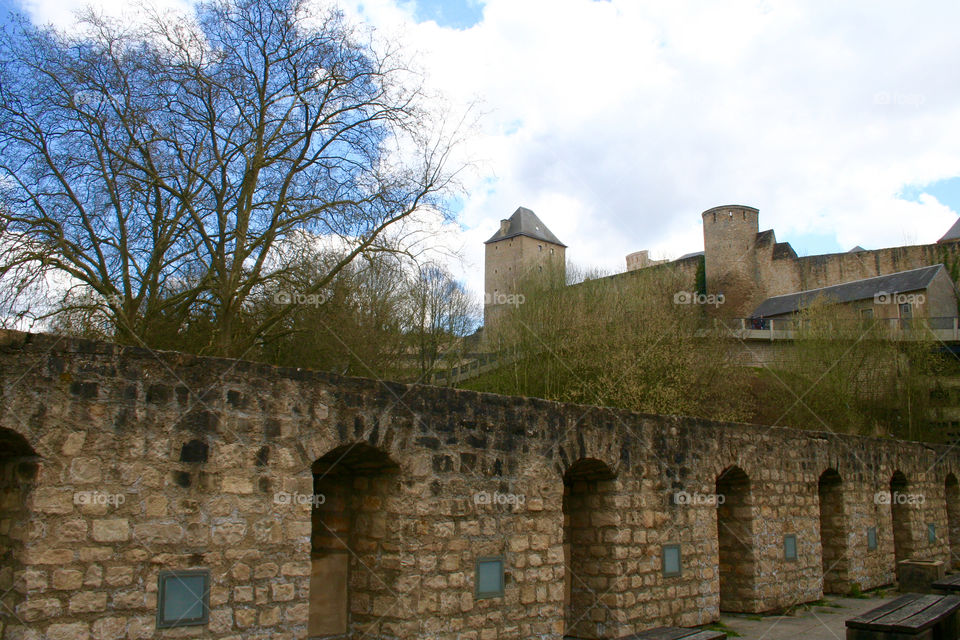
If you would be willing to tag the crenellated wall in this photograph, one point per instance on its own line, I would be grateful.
(417, 483)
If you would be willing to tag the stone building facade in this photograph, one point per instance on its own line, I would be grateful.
(743, 263)
(749, 266)
(522, 248)
(314, 504)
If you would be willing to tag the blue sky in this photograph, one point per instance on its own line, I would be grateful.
(619, 122)
(946, 191)
(455, 14)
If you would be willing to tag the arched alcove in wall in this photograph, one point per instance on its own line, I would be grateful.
(737, 562)
(833, 533)
(350, 535)
(586, 486)
(19, 465)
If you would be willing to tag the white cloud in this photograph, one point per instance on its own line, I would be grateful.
(619, 122)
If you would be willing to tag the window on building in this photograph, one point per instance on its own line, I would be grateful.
(489, 578)
(671, 560)
(931, 532)
(906, 310)
(183, 598)
(871, 538)
(790, 547)
(866, 314)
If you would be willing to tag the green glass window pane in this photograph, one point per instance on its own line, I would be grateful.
(872, 538)
(790, 547)
(182, 598)
(671, 560)
(490, 577)
(931, 532)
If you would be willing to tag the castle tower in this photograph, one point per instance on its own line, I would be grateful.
(730, 255)
(522, 248)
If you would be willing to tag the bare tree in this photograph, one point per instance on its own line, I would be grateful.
(441, 314)
(160, 166)
(621, 341)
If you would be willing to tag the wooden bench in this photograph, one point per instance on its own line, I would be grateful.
(912, 616)
(950, 583)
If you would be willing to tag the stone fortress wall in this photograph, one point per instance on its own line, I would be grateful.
(118, 462)
(749, 266)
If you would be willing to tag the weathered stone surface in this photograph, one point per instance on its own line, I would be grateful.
(115, 530)
(423, 488)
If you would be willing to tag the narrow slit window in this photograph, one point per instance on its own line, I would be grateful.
(871, 539)
(790, 547)
(671, 560)
(489, 578)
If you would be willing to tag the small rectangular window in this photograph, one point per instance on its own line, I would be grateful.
(671, 560)
(906, 310)
(931, 532)
(866, 314)
(183, 598)
(790, 547)
(871, 538)
(489, 578)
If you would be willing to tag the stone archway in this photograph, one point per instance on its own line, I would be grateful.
(588, 513)
(18, 471)
(351, 532)
(900, 517)
(833, 533)
(735, 541)
(951, 496)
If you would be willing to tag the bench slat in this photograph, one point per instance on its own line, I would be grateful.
(935, 613)
(882, 610)
(909, 611)
(950, 583)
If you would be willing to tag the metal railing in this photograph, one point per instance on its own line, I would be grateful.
(945, 328)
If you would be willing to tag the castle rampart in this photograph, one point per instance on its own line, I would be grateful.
(121, 463)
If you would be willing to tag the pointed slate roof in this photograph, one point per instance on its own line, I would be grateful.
(525, 222)
(900, 282)
(952, 234)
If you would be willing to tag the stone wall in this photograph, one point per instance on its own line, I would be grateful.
(143, 461)
(509, 263)
(748, 266)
